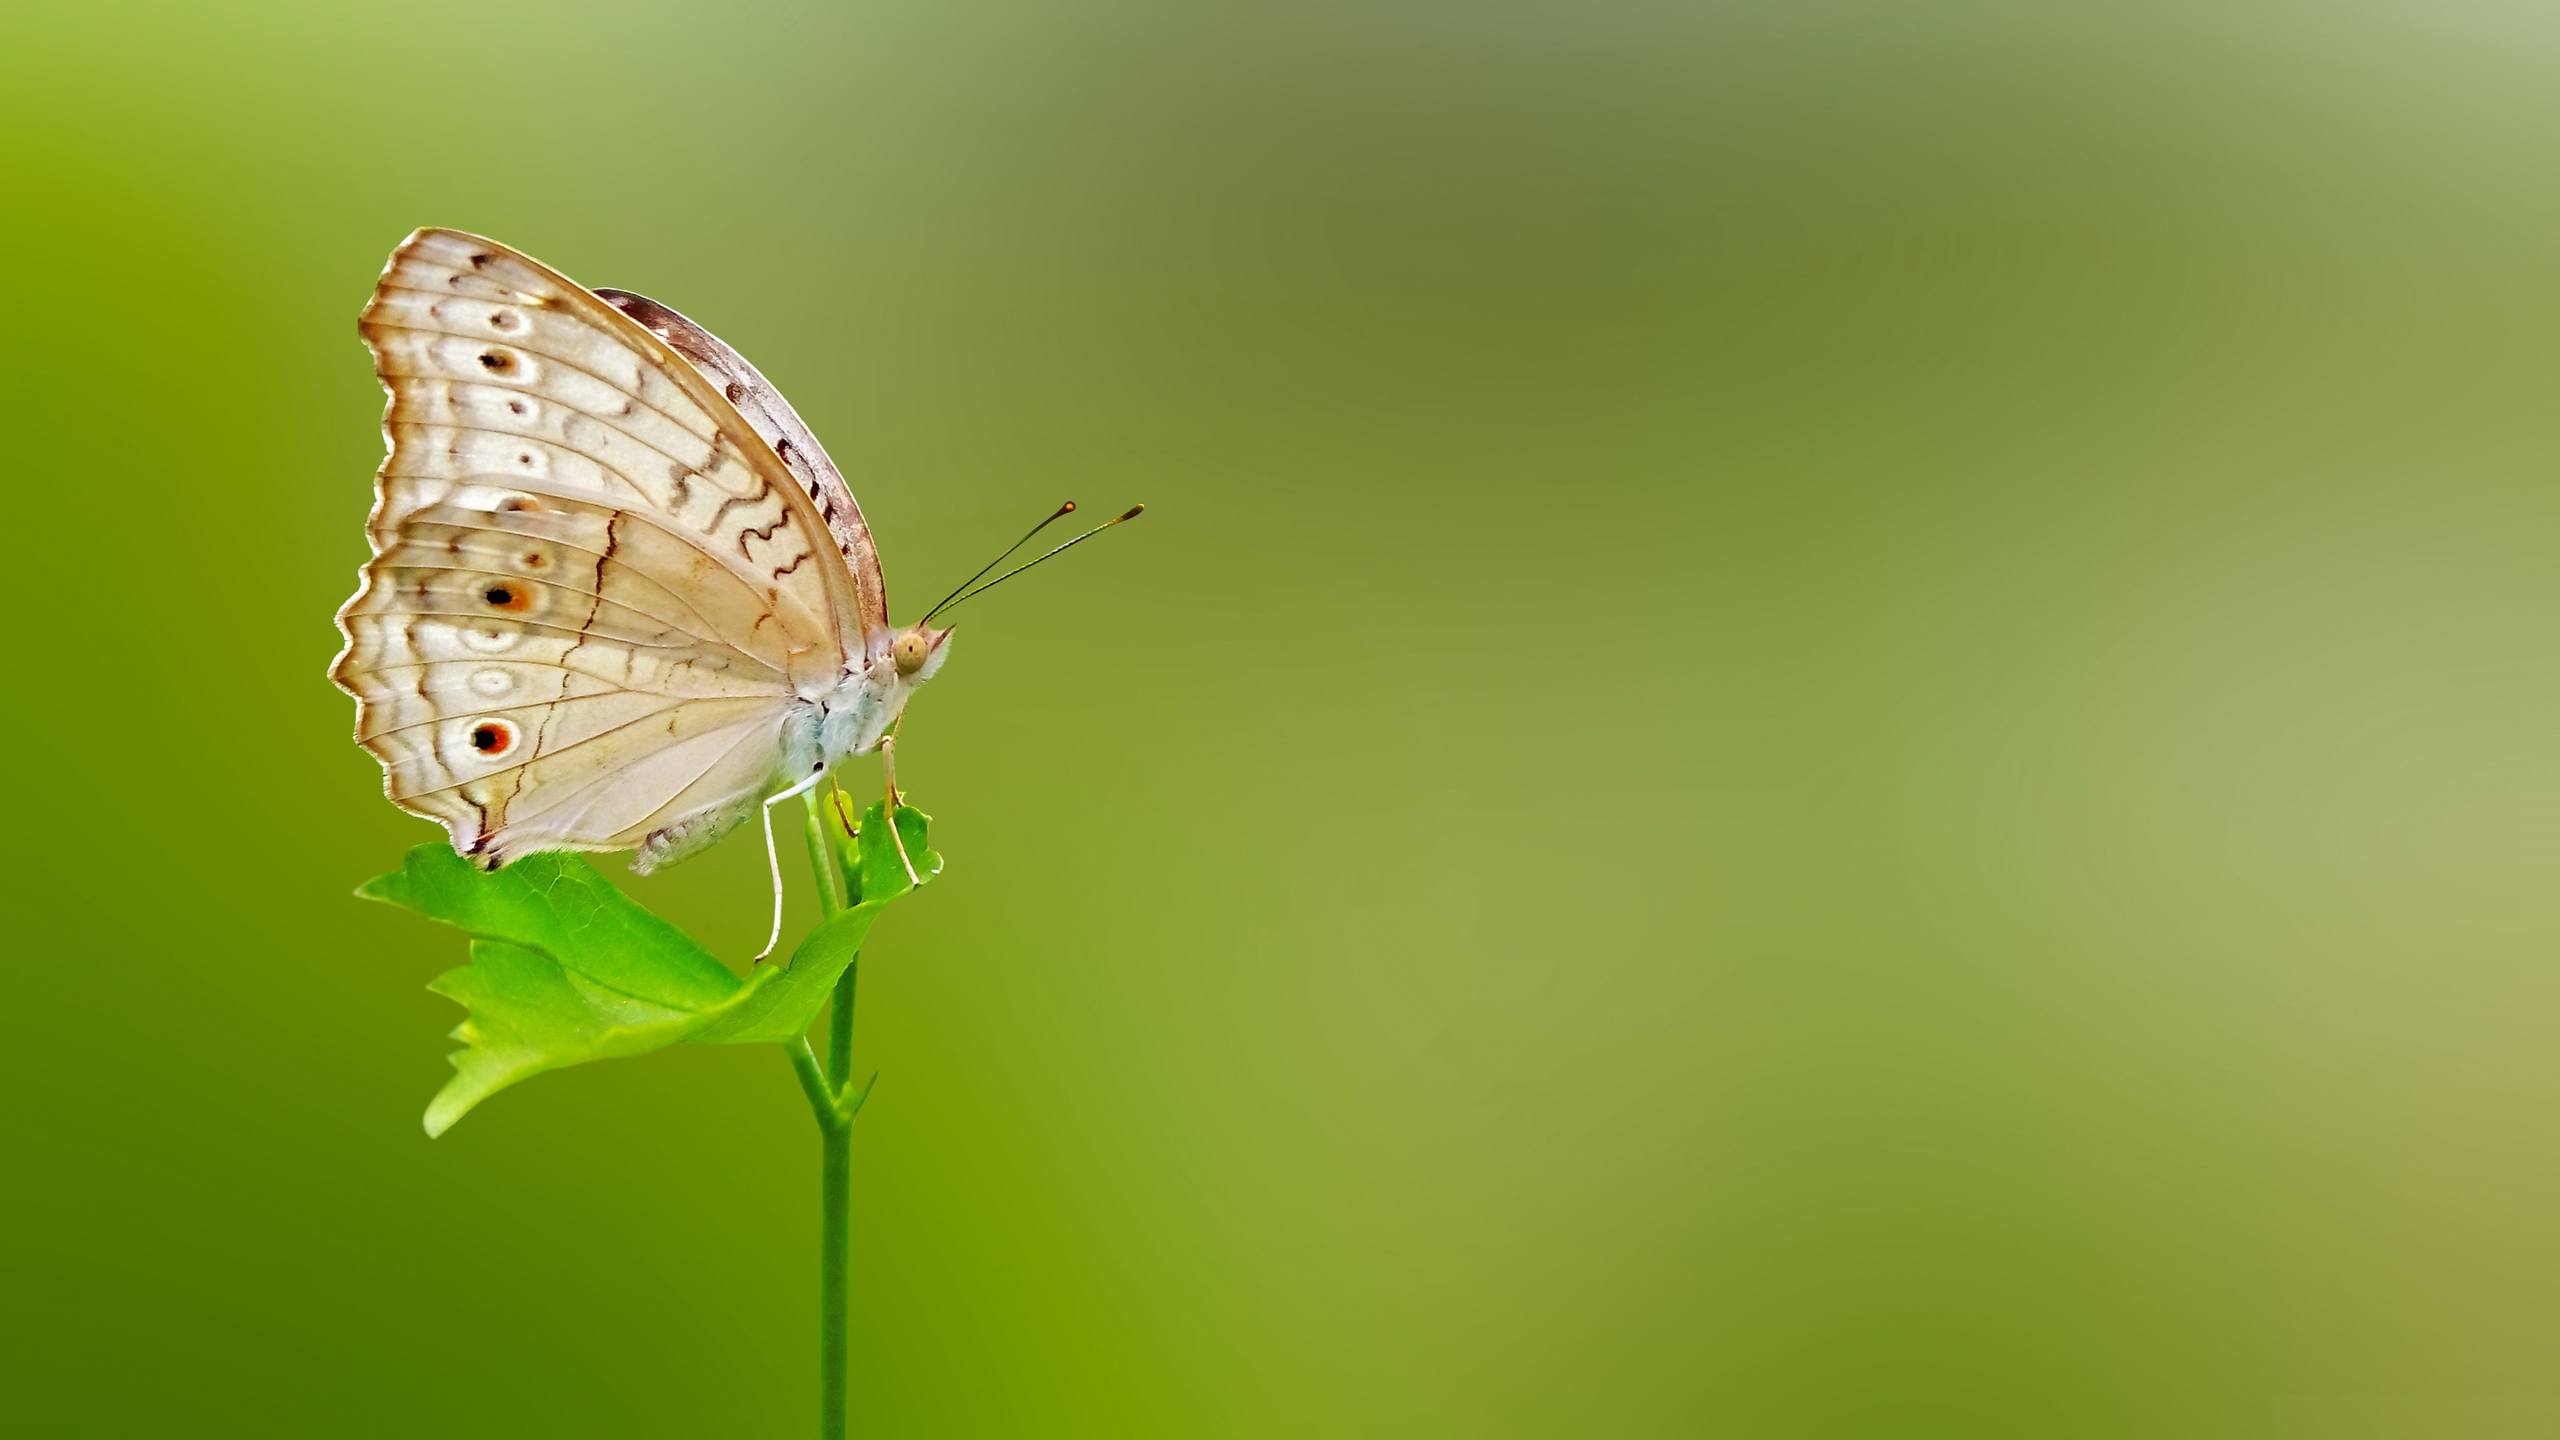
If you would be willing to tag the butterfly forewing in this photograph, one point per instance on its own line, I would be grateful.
(780, 427)
(596, 591)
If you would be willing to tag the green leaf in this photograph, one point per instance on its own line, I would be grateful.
(558, 904)
(782, 1009)
(565, 968)
(880, 871)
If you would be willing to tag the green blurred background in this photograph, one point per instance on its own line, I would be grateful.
(1832, 721)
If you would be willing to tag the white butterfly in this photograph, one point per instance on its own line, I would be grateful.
(618, 592)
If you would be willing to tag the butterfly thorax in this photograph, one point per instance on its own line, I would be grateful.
(851, 718)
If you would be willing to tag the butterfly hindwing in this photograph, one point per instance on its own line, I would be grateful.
(597, 594)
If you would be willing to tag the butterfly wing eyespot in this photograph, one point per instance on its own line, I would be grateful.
(504, 595)
(490, 639)
(493, 738)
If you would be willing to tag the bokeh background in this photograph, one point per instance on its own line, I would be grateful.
(1833, 720)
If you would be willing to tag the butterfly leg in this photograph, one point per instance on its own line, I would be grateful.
(773, 858)
(889, 773)
(889, 762)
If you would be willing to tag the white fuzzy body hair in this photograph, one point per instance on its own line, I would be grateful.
(851, 718)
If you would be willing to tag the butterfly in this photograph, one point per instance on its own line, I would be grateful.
(619, 598)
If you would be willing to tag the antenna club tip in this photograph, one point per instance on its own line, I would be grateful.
(1134, 512)
(1067, 509)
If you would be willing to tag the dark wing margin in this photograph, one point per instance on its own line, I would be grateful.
(772, 418)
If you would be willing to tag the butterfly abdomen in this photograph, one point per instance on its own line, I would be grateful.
(693, 833)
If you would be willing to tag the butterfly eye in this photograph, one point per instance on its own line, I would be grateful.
(910, 653)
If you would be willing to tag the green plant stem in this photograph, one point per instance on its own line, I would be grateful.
(822, 859)
(829, 1086)
(835, 1247)
(813, 1082)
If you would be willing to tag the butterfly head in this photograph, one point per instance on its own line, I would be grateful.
(918, 652)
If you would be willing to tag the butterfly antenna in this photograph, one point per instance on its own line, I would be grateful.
(1058, 514)
(1132, 513)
